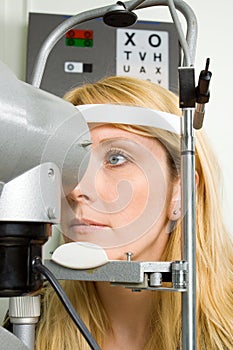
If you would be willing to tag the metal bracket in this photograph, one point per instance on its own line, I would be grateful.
(136, 275)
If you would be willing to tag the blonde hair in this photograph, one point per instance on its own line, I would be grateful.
(214, 246)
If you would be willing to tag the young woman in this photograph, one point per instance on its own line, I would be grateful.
(132, 185)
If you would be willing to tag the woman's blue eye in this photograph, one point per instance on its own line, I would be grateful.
(116, 159)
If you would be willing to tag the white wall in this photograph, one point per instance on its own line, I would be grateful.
(214, 41)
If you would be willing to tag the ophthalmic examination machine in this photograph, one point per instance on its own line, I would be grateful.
(45, 147)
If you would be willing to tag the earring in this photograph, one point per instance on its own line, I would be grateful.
(175, 212)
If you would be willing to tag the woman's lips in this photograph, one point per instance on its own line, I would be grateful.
(86, 226)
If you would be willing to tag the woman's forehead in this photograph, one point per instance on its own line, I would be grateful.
(106, 134)
(102, 132)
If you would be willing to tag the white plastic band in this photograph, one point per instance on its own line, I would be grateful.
(122, 114)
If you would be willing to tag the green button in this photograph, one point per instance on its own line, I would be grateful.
(79, 42)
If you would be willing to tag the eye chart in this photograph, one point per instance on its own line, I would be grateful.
(143, 54)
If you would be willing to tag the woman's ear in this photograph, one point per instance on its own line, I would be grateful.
(174, 208)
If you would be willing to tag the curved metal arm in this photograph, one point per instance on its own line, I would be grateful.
(134, 4)
(189, 16)
(65, 26)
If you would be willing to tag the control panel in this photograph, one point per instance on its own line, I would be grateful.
(93, 50)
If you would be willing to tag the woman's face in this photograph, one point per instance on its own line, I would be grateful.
(126, 197)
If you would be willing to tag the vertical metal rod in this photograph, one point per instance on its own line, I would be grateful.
(26, 333)
(188, 229)
(24, 312)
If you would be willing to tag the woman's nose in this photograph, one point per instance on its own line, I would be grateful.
(79, 194)
(86, 190)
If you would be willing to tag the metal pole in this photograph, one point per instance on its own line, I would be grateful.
(24, 313)
(188, 229)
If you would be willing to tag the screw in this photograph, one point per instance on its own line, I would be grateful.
(51, 172)
(51, 212)
(129, 255)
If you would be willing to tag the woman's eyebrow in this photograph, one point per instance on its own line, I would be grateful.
(108, 140)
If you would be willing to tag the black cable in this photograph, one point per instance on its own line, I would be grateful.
(37, 265)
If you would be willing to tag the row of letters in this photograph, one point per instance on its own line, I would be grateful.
(154, 56)
(141, 69)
